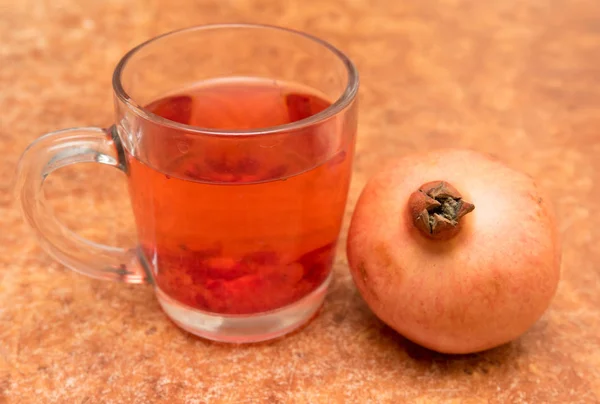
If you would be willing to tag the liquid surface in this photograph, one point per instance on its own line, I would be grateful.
(240, 225)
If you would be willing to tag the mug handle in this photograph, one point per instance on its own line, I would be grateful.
(51, 152)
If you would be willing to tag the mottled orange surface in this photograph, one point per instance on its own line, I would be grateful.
(518, 79)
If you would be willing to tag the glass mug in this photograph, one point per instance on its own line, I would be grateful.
(237, 142)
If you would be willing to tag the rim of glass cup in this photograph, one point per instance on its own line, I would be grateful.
(340, 104)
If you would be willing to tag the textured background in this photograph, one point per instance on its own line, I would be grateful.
(516, 78)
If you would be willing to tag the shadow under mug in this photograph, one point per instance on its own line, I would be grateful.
(239, 260)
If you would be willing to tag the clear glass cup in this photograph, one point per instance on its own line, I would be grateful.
(237, 226)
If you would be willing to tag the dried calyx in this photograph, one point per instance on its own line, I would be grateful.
(436, 208)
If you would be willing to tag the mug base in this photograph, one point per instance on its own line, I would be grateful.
(244, 328)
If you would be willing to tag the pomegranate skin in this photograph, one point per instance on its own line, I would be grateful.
(482, 287)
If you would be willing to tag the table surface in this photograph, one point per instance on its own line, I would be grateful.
(519, 79)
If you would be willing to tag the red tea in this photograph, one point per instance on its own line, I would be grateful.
(239, 224)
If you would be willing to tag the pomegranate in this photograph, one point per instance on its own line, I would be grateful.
(454, 250)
